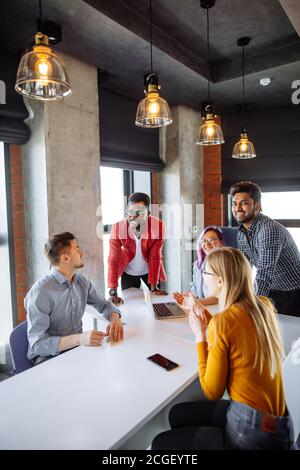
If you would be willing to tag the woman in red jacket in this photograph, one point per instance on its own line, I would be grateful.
(136, 249)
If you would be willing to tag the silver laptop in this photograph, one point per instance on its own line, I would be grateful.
(161, 311)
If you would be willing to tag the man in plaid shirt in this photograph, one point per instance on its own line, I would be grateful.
(269, 247)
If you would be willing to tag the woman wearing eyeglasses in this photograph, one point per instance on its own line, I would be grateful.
(241, 351)
(210, 238)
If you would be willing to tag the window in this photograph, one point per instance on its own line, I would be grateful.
(284, 207)
(6, 317)
(142, 182)
(116, 185)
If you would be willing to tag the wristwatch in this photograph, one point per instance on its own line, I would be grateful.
(113, 292)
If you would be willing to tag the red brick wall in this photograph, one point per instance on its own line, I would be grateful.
(212, 176)
(17, 193)
(154, 188)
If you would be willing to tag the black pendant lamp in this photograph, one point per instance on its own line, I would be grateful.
(153, 110)
(243, 149)
(209, 133)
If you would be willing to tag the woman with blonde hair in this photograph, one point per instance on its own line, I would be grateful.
(241, 351)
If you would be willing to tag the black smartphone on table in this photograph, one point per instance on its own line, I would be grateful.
(162, 361)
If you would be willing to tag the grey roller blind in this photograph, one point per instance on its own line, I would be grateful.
(276, 137)
(13, 130)
(122, 143)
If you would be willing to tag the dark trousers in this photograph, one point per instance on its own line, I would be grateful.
(224, 424)
(128, 281)
(286, 302)
(39, 359)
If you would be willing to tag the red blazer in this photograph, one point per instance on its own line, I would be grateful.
(123, 247)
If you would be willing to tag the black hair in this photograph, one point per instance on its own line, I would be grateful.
(139, 197)
(247, 187)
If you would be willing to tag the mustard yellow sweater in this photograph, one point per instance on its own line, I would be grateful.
(228, 363)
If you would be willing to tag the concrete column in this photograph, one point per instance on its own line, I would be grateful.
(180, 194)
(61, 173)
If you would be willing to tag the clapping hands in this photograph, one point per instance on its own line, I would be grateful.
(185, 301)
(196, 311)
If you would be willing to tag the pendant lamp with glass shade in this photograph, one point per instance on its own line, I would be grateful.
(41, 73)
(153, 110)
(243, 149)
(209, 133)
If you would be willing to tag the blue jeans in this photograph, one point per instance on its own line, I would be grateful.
(250, 429)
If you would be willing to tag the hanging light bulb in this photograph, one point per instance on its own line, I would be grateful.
(41, 73)
(153, 110)
(209, 133)
(243, 149)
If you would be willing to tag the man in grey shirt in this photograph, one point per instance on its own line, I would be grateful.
(56, 304)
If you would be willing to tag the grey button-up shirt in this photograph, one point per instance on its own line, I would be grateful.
(55, 308)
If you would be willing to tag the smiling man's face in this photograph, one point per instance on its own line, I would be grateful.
(244, 208)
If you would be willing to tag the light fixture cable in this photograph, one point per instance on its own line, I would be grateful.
(40, 10)
(151, 32)
(242, 42)
(208, 53)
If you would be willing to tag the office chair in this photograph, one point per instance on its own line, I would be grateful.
(230, 236)
(18, 343)
(291, 383)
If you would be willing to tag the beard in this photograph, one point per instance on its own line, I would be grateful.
(135, 224)
(242, 218)
(138, 223)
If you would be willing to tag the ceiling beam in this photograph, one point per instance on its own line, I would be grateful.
(292, 10)
(276, 57)
(133, 21)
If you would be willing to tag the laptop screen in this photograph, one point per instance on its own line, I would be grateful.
(147, 294)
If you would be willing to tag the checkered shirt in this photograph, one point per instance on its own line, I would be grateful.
(271, 249)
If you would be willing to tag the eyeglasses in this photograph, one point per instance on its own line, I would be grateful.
(132, 213)
(209, 240)
(210, 274)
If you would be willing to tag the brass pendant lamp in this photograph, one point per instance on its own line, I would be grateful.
(153, 111)
(41, 74)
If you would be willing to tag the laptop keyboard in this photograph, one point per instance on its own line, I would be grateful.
(162, 311)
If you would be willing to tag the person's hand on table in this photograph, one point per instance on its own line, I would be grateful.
(116, 300)
(91, 338)
(159, 292)
(115, 329)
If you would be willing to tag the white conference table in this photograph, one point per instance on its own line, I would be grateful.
(101, 397)
(107, 397)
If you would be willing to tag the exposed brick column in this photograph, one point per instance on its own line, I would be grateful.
(154, 199)
(17, 194)
(213, 199)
